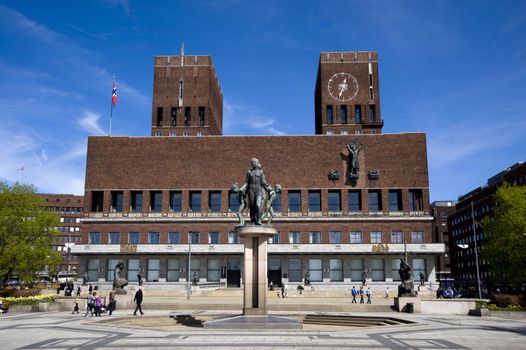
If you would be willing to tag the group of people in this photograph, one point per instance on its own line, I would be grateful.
(361, 292)
(96, 304)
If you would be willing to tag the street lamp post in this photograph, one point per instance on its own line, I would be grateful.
(68, 246)
(476, 250)
(188, 285)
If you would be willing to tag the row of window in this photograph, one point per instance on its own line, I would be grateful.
(172, 270)
(294, 237)
(67, 229)
(344, 116)
(185, 120)
(65, 210)
(70, 220)
(184, 133)
(294, 201)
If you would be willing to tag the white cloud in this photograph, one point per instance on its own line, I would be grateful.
(247, 120)
(89, 122)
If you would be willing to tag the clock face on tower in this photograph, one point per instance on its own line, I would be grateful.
(342, 86)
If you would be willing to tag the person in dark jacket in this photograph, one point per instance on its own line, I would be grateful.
(138, 300)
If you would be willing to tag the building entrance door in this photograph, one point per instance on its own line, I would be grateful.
(233, 273)
(274, 272)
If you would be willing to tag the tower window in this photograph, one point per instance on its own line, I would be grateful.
(416, 201)
(358, 114)
(187, 116)
(372, 113)
(343, 114)
(330, 117)
(201, 116)
(159, 116)
(174, 116)
(375, 200)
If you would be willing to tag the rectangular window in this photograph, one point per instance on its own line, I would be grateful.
(201, 116)
(295, 237)
(377, 270)
(154, 237)
(417, 237)
(174, 238)
(133, 269)
(397, 237)
(176, 201)
(358, 114)
(213, 237)
(233, 202)
(194, 237)
(335, 237)
(356, 269)
(173, 116)
(336, 270)
(416, 202)
(375, 200)
(275, 239)
(419, 269)
(330, 117)
(94, 238)
(195, 201)
(159, 116)
(173, 268)
(116, 201)
(276, 206)
(395, 266)
(315, 237)
(356, 237)
(111, 268)
(395, 200)
(93, 269)
(153, 270)
(316, 270)
(97, 201)
(114, 238)
(335, 200)
(233, 238)
(214, 201)
(187, 116)
(314, 201)
(355, 201)
(156, 201)
(295, 270)
(376, 237)
(343, 114)
(213, 272)
(136, 201)
(372, 113)
(133, 238)
(294, 201)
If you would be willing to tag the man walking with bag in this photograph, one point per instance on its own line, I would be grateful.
(138, 299)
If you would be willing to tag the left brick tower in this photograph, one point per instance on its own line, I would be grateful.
(187, 98)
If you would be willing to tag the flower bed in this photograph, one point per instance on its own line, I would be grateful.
(33, 300)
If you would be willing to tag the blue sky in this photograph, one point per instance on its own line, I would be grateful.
(453, 69)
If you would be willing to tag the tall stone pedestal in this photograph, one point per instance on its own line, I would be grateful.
(255, 240)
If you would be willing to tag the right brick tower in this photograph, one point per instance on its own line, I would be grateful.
(347, 94)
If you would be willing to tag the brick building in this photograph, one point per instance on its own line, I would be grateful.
(464, 230)
(147, 197)
(441, 210)
(70, 209)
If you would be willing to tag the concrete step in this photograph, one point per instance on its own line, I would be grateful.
(352, 321)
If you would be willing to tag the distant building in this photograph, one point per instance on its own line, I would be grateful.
(441, 210)
(70, 209)
(462, 249)
(147, 198)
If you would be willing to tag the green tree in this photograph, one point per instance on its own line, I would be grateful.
(26, 233)
(505, 247)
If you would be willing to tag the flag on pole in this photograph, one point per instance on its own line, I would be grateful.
(114, 95)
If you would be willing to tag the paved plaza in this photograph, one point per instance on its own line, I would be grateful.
(156, 330)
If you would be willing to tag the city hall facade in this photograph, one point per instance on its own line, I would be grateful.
(353, 200)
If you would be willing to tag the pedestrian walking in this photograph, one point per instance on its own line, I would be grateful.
(112, 305)
(422, 278)
(361, 294)
(98, 304)
(78, 290)
(90, 305)
(283, 290)
(353, 292)
(90, 289)
(138, 300)
(75, 307)
(387, 293)
(368, 294)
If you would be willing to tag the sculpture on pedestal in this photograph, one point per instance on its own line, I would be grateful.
(257, 195)
(354, 165)
(406, 276)
(119, 282)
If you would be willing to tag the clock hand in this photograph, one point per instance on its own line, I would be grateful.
(343, 87)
